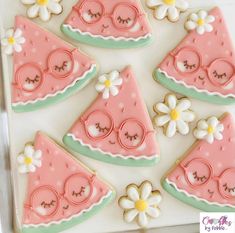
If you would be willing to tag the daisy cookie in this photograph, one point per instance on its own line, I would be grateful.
(174, 115)
(43, 8)
(46, 69)
(204, 176)
(110, 24)
(140, 203)
(61, 191)
(169, 9)
(203, 64)
(116, 127)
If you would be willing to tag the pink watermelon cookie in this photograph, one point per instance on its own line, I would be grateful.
(205, 177)
(203, 64)
(116, 128)
(47, 69)
(111, 24)
(61, 192)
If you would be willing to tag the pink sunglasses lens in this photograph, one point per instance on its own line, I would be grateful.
(91, 11)
(29, 77)
(227, 184)
(78, 189)
(124, 16)
(44, 202)
(131, 134)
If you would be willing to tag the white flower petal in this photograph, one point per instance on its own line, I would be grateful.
(153, 212)
(4, 42)
(171, 129)
(20, 159)
(153, 3)
(10, 33)
(125, 203)
(117, 82)
(20, 40)
(142, 219)
(99, 87)
(114, 75)
(154, 199)
(37, 154)
(106, 93)
(37, 163)
(23, 169)
(202, 124)
(18, 32)
(114, 90)
(44, 14)
(194, 17)
(208, 28)
(17, 47)
(33, 11)
(182, 5)
(200, 30)
(162, 120)
(218, 135)
(28, 1)
(161, 11)
(146, 190)
(202, 14)
(200, 134)
(213, 121)
(190, 25)
(9, 49)
(188, 116)
(130, 215)
(220, 127)
(133, 193)
(171, 100)
(31, 168)
(54, 7)
(29, 150)
(173, 13)
(210, 19)
(182, 127)
(102, 78)
(210, 138)
(163, 108)
(183, 104)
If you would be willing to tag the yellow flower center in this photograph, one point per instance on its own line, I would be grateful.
(169, 2)
(107, 83)
(42, 2)
(141, 205)
(210, 129)
(200, 22)
(11, 40)
(175, 115)
(28, 160)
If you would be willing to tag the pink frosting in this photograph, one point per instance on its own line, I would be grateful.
(211, 54)
(62, 174)
(218, 184)
(45, 65)
(109, 18)
(132, 131)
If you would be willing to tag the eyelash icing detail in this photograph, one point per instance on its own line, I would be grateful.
(35, 80)
(219, 76)
(198, 178)
(93, 14)
(226, 188)
(97, 125)
(131, 137)
(82, 190)
(187, 66)
(48, 205)
(123, 21)
(64, 65)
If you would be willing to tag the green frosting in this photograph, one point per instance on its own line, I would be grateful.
(57, 98)
(202, 205)
(54, 228)
(84, 150)
(110, 43)
(170, 84)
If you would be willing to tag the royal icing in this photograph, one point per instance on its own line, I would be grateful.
(61, 190)
(12, 41)
(206, 173)
(195, 64)
(174, 115)
(108, 84)
(99, 22)
(167, 8)
(141, 203)
(42, 8)
(29, 160)
(116, 127)
(209, 130)
(46, 68)
(201, 22)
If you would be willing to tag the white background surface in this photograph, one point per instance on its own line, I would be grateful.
(56, 119)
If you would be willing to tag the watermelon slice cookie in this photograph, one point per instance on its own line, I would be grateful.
(116, 128)
(205, 176)
(203, 64)
(61, 191)
(46, 68)
(111, 24)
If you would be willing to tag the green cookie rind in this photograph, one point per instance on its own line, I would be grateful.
(109, 43)
(57, 98)
(54, 228)
(202, 205)
(170, 84)
(84, 150)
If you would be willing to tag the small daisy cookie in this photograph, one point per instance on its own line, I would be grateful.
(140, 203)
(209, 130)
(170, 9)
(43, 8)
(174, 115)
